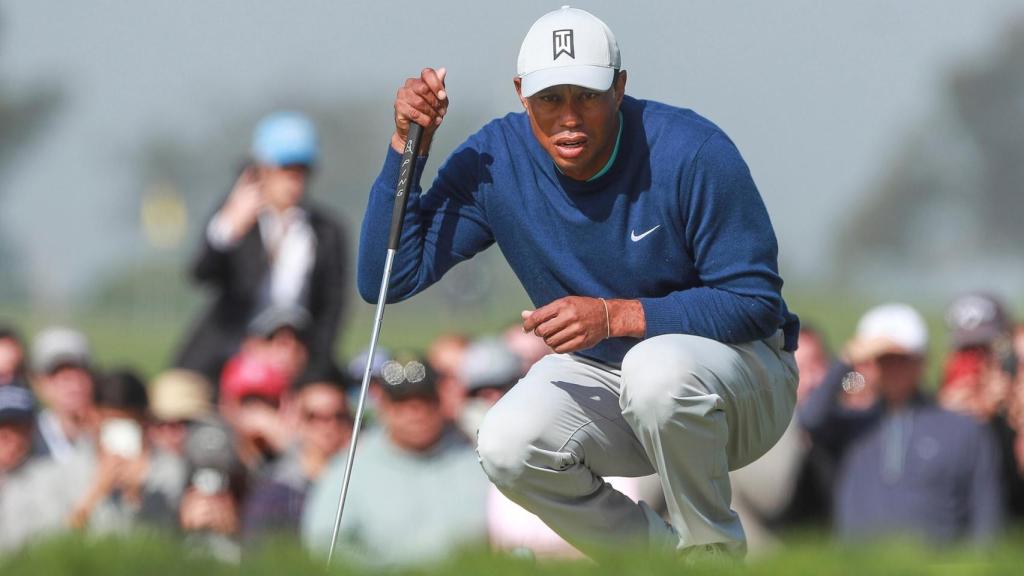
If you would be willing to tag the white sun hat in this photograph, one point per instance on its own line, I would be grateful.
(568, 46)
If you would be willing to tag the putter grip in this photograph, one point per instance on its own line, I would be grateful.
(405, 174)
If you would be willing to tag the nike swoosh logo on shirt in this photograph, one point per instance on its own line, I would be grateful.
(635, 238)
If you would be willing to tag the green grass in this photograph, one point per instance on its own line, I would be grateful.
(154, 556)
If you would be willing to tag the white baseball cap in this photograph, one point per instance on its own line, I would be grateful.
(890, 329)
(57, 346)
(568, 46)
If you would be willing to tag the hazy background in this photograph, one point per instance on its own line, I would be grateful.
(886, 138)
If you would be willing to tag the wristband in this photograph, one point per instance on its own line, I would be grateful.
(607, 319)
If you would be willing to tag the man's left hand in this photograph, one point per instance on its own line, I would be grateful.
(569, 324)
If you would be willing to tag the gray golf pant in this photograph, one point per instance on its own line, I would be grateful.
(686, 407)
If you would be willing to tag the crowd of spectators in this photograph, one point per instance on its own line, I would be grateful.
(245, 438)
(873, 452)
(259, 453)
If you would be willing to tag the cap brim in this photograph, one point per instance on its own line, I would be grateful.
(63, 360)
(863, 349)
(184, 407)
(406, 390)
(12, 416)
(593, 77)
(981, 336)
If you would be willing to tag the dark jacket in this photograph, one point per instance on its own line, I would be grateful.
(235, 277)
(920, 470)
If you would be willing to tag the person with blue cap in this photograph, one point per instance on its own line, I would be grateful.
(268, 246)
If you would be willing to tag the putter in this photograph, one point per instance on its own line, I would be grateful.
(412, 144)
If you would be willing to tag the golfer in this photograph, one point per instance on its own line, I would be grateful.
(639, 235)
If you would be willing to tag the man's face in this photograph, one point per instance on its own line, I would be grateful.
(576, 126)
(11, 356)
(15, 443)
(286, 350)
(445, 357)
(68, 389)
(169, 436)
(325, 423)
(898, 376)
(252, 417)
(811, 361)
(283, 186)
(415, 423)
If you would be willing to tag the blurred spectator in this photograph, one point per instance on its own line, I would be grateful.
(528, 346)
(268, 246)
(1018, 350)
(16, 417)
(1015, 420)
(489, 369)
(12, 357)
(906, 465)
(279, 335)
(129, 482)
(357, 365)
(355, 368)
(416, 481)
(117, 487)
(979, 379)
(251, 391)
(788, 487)
(979, 371)
(445, 357)
(176, 399)
(812, 360)
(64, 381)
(324, 426)
(17, 411)
(1015, 407)
(209, 512)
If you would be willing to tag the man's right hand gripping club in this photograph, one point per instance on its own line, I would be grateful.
(424, 101)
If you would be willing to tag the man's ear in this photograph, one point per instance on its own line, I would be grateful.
(620, 86)
(519, 92)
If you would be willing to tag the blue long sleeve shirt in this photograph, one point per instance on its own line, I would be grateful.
(676, 222)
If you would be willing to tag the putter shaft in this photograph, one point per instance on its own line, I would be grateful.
(378, 318)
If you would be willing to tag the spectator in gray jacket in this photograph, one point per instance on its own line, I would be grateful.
(417, 490)
(906, 466)
(61, 360)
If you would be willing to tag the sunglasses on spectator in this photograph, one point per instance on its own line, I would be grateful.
(170, 423)
(336, 417)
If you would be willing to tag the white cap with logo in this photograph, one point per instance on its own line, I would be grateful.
(568, 46)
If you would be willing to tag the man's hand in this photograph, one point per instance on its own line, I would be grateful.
(213, 512)
(243, 205)
(260, 421)
(577, 323)
(424, 101)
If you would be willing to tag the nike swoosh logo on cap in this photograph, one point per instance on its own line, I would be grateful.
(636, 238)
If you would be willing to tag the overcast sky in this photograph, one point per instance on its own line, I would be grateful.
(817, 95)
